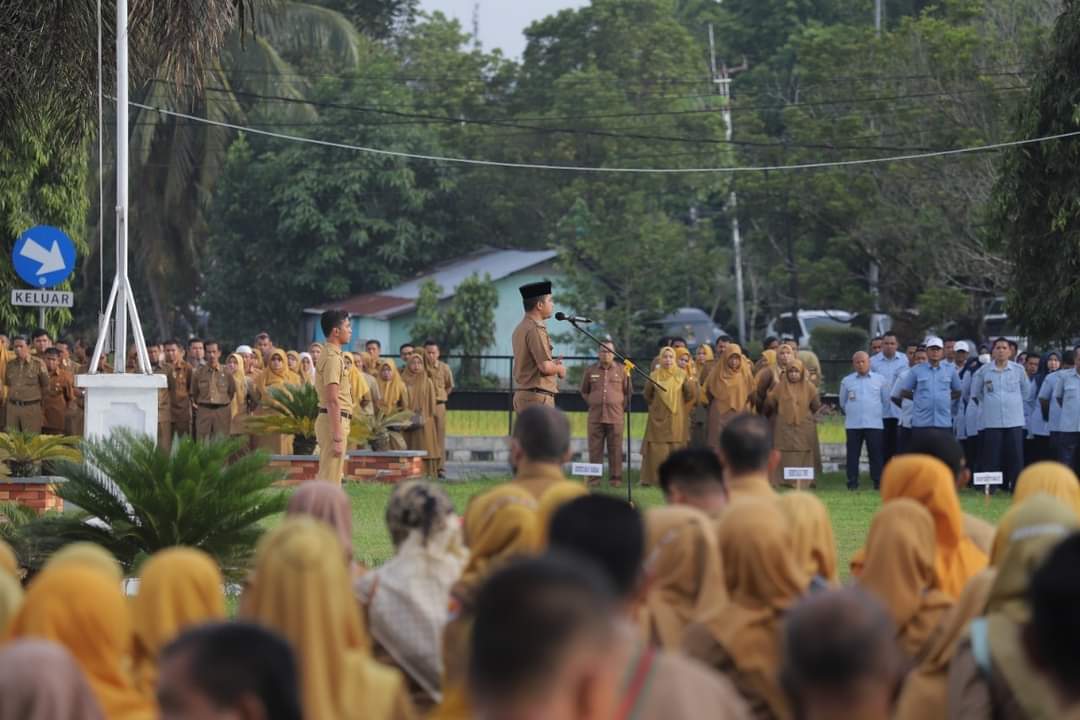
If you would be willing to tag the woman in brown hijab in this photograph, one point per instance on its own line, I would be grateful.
(422, 404)
(727, 390)
(791, 405)
(813, 374)
(685, 577)
(667, 428)
(770, 375)
(812, 539)
(743, 639)
(39, 680)
(393, 395)
(328, 503)
(900, 570)
(699, 416)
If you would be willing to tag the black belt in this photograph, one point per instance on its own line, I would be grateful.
(213, 406)
(538, 391)
(24, 403)
(324, 411)
(440, 402)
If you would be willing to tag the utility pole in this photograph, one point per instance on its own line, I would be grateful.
(879, 15)
(721, 75)
(874, 272)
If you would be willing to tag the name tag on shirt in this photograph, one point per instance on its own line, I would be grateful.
(851, 395)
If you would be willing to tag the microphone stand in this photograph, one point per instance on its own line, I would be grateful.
(627, 363)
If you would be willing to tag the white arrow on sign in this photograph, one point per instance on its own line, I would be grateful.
(51, 260)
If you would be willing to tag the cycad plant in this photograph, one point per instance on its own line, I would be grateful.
(203, 494)
(381, 431)
(293, 411)
(24, 453)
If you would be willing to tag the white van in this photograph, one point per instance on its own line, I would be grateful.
(783, 327)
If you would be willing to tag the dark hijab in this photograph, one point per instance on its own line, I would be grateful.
(1044, 369)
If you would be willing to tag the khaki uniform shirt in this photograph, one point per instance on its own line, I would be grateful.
(166, 393)
(26, 380)
(605, 391)
(532, 346)
(212, 387)
(180, 387)
(329, 370)
(59, 395)
(443, 381)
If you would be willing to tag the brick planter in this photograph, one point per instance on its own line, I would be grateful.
(363, 466)
(38, 492)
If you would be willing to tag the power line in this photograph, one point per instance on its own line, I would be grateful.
(612, 170)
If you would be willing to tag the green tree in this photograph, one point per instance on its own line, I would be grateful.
(466, 325)
(1036, 209)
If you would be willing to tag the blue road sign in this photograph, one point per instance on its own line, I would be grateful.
(44, 256)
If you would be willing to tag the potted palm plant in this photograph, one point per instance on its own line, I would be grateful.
(203, 494)
(293, 410)
(25, 453)
(381, 431)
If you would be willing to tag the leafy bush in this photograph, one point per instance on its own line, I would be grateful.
(293, 410)
(24, 453)
(837, 343)
(381, 431)
(205, 494)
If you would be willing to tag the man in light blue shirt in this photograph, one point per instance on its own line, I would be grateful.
(933, 386)
(864, 395)
(1067, 397)
(889, 364)
(999, 389)
(1051, 410)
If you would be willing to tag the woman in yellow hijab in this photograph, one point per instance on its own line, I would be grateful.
(1051, 478)
(792, 405)
(88, 555)
(743, 639)
(235, 367)
(813, 374)
(301, 589)
(667, 428)
(393, 395)
(684, 573)
(80, 608)
(498, 526)
(275, 375)
(699, 416)
(8, 562)
(1002, 682)
(929, 482)
(812, 539)
(900, 570)
(727, 391)
(178, 587)
(11, 597)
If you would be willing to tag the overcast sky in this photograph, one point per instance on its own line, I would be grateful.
(501, 21)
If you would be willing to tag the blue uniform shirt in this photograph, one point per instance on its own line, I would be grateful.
(1000, 393)
(863, 398)
(1036, 425)
(1067, 396)
(1047, 393)
(932, 388)
(891, 369)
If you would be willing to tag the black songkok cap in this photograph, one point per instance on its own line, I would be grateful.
(535, 290)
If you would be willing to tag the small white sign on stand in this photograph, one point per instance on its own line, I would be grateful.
(799, 474)
(986, 479)
(587, 469)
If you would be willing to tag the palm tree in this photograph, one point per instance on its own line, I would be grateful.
(176, 162)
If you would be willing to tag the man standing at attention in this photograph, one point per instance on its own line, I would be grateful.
(335, 396)
(60, 393)
(196, 353)
(442, 377)
(374, 348)
(165, 395)
(27, 383)
(890, 364)
(932, 387)
(606, 390)
(536, 374)
(864, 395)
(212, 390)
(179, 373)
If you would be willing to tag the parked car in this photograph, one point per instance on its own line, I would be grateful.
(785, 327)
(996, 324)
(693, 324)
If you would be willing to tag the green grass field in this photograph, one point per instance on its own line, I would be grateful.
(851, 512)
(483, 422)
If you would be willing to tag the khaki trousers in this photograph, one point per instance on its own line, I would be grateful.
(611, 435)
(440, 435)
(331, 468)
(164, 434)
(25, 418)
(525, 398)
(213, 421)
(181, 422)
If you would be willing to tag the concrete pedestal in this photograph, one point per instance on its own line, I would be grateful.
(121, 401)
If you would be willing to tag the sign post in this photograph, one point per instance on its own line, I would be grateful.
(798, 474)
(986, 479)
(44, 257)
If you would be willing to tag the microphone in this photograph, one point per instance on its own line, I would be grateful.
(572, 318)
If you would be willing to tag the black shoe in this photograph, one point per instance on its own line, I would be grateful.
(853, 486)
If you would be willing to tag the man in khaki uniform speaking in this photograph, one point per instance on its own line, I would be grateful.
(212, 390)
(335, 396)
(27, 384)
(606, 390)
(536, 374)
